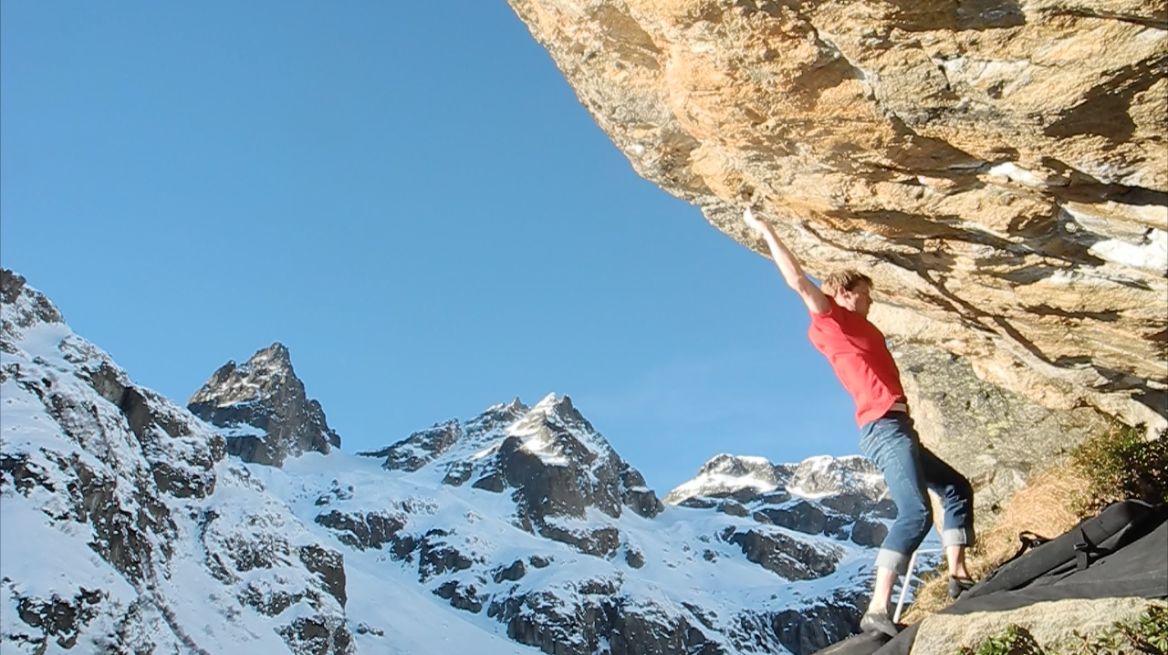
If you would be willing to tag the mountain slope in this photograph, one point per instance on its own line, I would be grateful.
(126, 528)
(519, 529)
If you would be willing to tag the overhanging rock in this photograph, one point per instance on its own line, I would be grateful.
(999, 168)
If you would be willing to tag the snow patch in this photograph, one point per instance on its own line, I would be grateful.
(1014, 173)
(1151, 254)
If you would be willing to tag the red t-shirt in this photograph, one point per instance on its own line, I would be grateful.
(860, 359)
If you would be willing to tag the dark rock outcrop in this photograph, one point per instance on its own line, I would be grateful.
(330, 566)
(782, 555)
(318, 635)
(34, 308)
(59, 620)
(369, 530)
(869, 533)
(539, 619)
(262, 409)
(513, 572)
(801, 516)
(811, 629)
(420, 448)
(437, 556)
(464, 597)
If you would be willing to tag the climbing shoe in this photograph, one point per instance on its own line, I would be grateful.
(958, 586)
(878, 622)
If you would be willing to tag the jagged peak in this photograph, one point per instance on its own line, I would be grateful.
(553, 429)
(261, 375)
(515, 406)
(277, 352)
(833, 461)
(549, 402)
(274, 359)
(23, 305)
(483, 430)
(727, 473)
(261, 398)
(494, 418)
(554, 407)
(825, 474)
(815, 476)
(536, 427)
(729, 463)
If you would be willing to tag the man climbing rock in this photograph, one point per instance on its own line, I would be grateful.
(860, 359)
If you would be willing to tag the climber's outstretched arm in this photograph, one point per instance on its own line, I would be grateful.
(816, 302)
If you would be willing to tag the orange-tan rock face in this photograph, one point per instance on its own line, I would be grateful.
(999, 167)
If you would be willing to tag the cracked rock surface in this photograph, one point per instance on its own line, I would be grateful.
(999, 168)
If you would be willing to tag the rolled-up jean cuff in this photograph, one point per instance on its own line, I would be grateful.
(890, 559)
(955, 537)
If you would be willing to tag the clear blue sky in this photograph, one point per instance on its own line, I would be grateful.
(410, 197)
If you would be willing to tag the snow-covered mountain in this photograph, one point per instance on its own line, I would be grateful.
(816, 477)
(128, 527)
(125, 528)
(262, 409)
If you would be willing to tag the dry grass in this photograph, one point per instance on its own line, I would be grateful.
(1047, 506)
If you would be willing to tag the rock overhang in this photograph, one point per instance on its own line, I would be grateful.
(1002, 172)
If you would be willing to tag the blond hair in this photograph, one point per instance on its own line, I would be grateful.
(845, 280)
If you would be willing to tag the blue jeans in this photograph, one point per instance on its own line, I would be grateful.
(909, 469)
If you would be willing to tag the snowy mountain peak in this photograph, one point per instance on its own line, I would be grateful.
(554, 430)
(487, 426)
(728, 464)
(263, 375)
(547, 402)
(261, 408)
(516, 405)
(744, 477)
(553, 404)
(548, 458)
(274, 358)
(23, 306)
(553, 407)
(824, 475)
(733, 475)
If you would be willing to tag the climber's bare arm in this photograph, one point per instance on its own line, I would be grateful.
(789, 266)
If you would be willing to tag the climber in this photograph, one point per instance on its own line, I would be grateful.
(860, 359)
